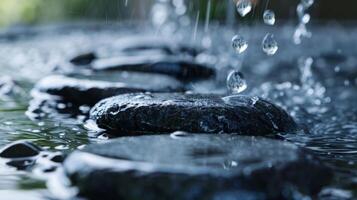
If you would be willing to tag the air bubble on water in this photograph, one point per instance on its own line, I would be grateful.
(269, 45)
(239, 44)
(244, 7)
(269, 17)
(41, 123)
(236, 82)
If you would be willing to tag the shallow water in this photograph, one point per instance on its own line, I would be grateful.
(324, 105)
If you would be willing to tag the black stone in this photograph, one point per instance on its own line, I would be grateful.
(138, 44)
(20, 149)
(89, 92)
(181, 68)
(21, 164)
(83, 59)
(196, 166)
(163, 113)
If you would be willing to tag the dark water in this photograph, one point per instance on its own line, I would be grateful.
(322, 97)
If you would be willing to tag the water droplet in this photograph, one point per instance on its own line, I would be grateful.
(269, 17)
(305, 18)
(236, 82)
(337, 69)
(244, 7)
(239, 44)
(270, 46)
(255, 99)
(160, 14)
(307, 3)
(179, 134)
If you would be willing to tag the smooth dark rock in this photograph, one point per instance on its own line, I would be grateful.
(163, 113)
(142, 43)
(20, 149)
(139, 46)
(83, 59)
(89, 92)
(22, 164)
(196, 166)
(181, 68)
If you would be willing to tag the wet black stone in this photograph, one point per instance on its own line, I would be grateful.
(20, 149)
(56, 157)
(21, 164)
(181, 68)
(83, 59)
(89, 92)
(198, 166)
(137, 44)
(163, 113)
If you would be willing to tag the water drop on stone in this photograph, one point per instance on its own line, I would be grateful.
(239, 44)
(269, 17)
(270, 46)
(254, 99)
(244, 7)
(236, 82)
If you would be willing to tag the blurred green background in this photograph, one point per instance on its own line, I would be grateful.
(28, 12)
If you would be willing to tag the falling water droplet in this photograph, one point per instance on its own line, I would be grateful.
(305, 18)
(244, 7)
(236, 82)
(239, 44)
(269, 17)
(307, 3)
(270, 46)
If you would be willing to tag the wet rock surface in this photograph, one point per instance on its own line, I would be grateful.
(164, 113)
(181, 68)
(194, 166)
(83, 59)
(89, 92)
(24, 155)
(19, 149)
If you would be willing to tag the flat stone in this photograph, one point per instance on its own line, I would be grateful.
(83, 59)
(138, 46)
(89, 92)
(181, 68)
(194, 166)
(19, 149)
(142, 43)
(164, 113)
